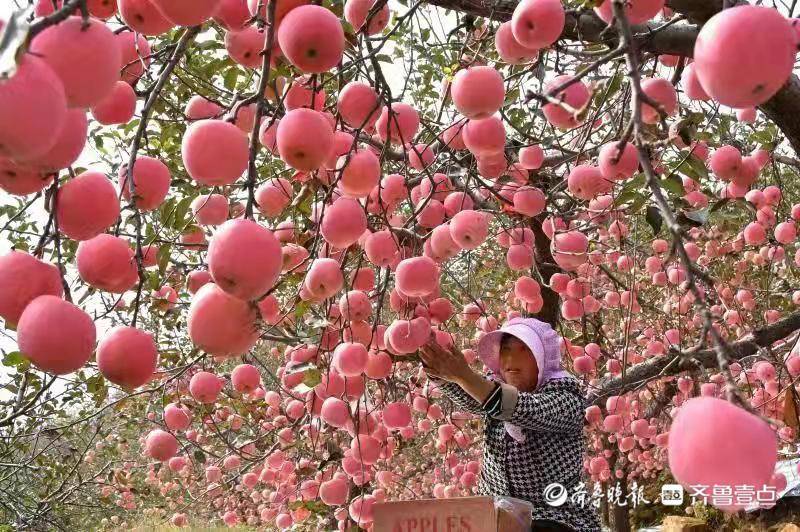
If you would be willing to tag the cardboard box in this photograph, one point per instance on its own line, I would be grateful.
(462, 514)
(680, 523)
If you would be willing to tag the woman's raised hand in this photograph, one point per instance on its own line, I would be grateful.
(446, 364)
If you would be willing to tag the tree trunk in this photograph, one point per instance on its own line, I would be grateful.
(604, 514)
(544, 261)
(621, 517)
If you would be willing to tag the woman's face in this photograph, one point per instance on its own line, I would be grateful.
(518, 366)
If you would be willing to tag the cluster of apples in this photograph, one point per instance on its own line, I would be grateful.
(72, 67)
(267, 489)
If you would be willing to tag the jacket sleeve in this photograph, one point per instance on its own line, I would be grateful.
(554, 410)
(458, 396)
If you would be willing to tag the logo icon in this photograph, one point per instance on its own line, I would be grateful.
(555, 494)
(671, 494)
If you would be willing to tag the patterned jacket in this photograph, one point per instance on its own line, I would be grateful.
(552, 421)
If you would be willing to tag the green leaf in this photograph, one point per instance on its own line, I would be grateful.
(96, 385)
(653, 217)
(698, 166)
(761, 136)
(634, 183)
(230, 78)
(627, 196)
(512, 95)
(166, 212)
(300, 309)
(317, 507)
(687, 169)
(199, 456)
(312, 377)
(603, 95)
(153, 280)
(180, 213)
(673, 185)
(14, 358)
(615, 84)
(637, 203)
(693, 167)
(162, 257)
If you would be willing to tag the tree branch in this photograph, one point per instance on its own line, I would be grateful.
(183, 43)
(663, 366)
(677, 39)
(57, 16)
(252, 172)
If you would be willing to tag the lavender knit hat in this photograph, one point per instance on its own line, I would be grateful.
(540, 338)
